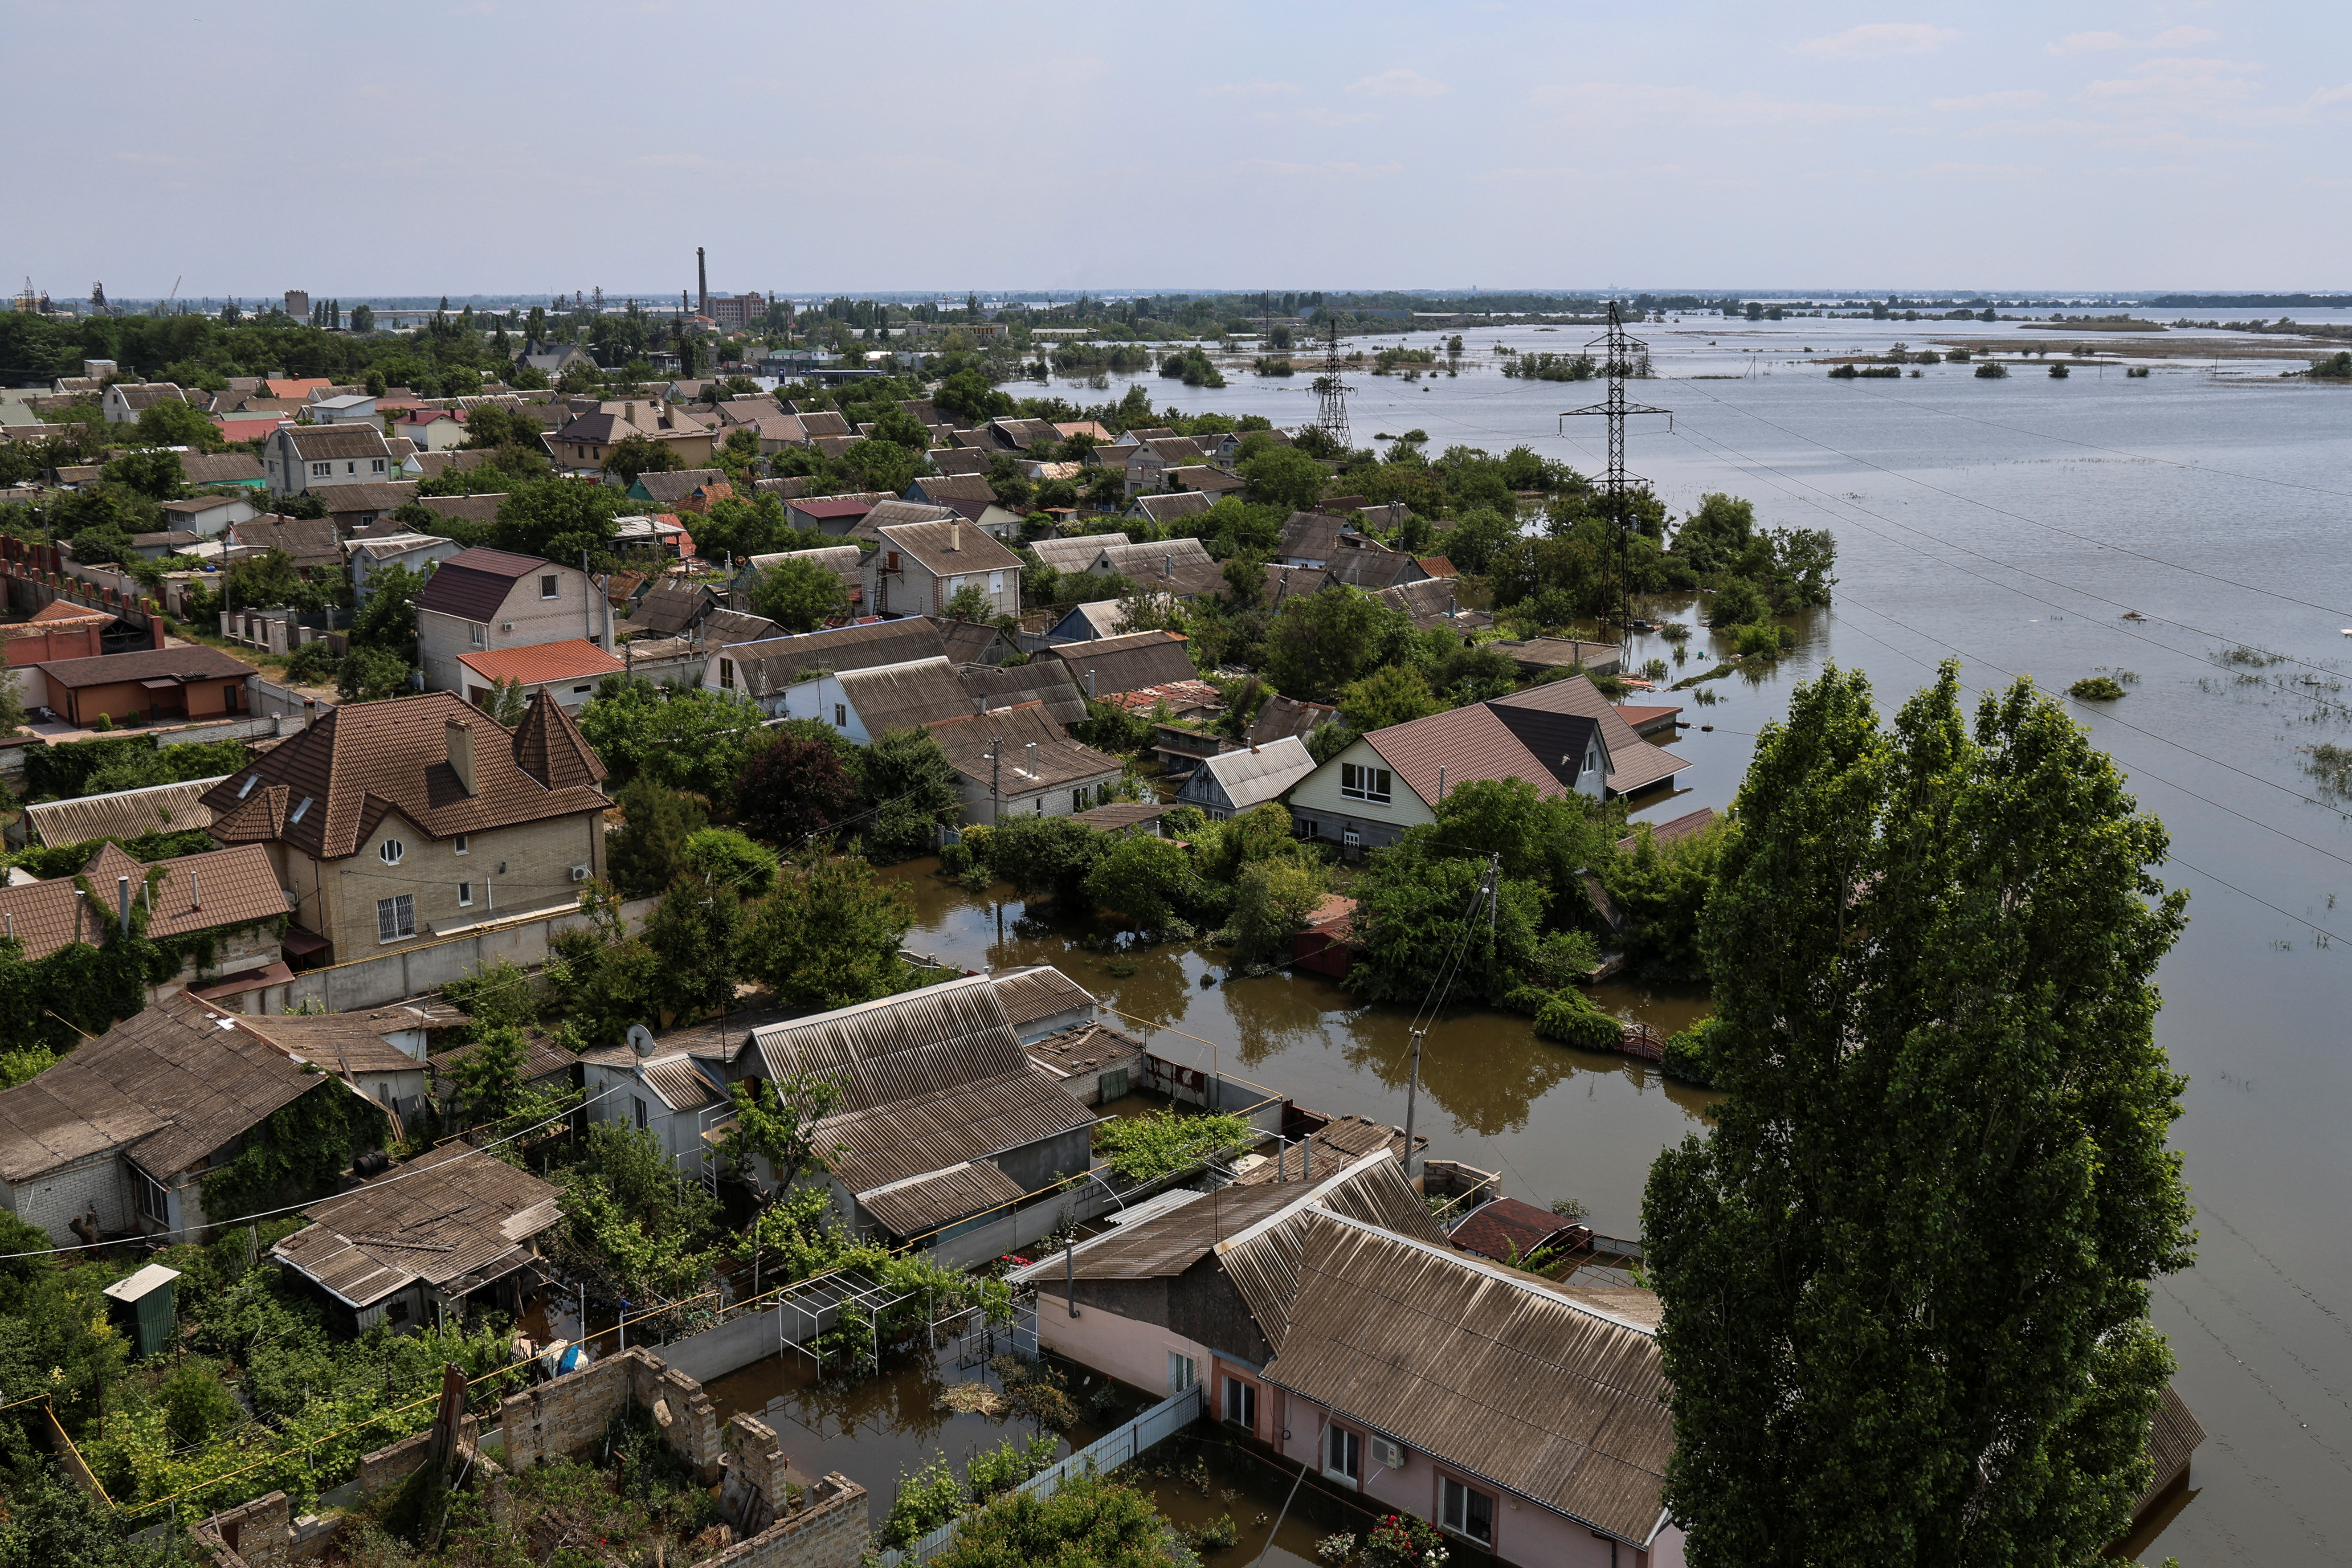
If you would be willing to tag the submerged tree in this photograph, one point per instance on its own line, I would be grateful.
(1905, 1276)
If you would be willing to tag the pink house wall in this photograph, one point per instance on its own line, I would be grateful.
(1128, 1351)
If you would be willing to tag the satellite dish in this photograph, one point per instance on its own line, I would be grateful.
(641, 1039)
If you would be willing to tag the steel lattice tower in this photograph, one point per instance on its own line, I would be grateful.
(1618, 348)
(1331, 393)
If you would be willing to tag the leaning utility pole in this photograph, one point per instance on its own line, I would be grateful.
(1617, 485)
(1330, 392)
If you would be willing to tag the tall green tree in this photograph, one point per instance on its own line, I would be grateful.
(828, 936)
(1905, 1276)
(798, 595)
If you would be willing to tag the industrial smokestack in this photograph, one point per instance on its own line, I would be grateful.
(702, 282)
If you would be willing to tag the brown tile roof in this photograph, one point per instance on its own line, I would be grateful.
(47, 915)
(968, 739)
(190, 663)
(1486, 1371)
(473, 583)
(574, 658)
(1127, 663)
(171, 1085)
(363, 762)
(455, 1218)
(219, 888)
(1633, 763)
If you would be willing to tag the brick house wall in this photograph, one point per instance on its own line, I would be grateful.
(339, 898)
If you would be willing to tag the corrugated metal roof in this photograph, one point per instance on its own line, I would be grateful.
(170, 1085)
(906, 696)
(1257, 775)
(1127, 663)
(680, 1084)
(2172, 1438)
(771, 665)
(891, 1142)
(1038, 992)
(1042, 680)
(1486, 1371)
(455, 1217)
(1078, 554)
(927, 1203)
(1085, 1049)
(969, 740)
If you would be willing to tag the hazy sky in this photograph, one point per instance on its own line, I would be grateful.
(495, 146)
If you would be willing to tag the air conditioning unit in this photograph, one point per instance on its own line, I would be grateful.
(1387, 1455)
(506, 625)
(579, 873)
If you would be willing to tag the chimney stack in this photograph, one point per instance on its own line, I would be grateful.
(702, 281)
(461, 752)
(955, 535)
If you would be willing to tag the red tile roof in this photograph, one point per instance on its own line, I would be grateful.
(574, 660)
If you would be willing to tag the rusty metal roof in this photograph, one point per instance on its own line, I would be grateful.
(1490, 1372)
(1507, 1230)
(455, 1217)
(927, 1203)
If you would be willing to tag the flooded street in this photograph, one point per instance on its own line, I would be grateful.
(2012, 524)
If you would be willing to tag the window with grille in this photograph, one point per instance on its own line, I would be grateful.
(1357, 782)
(395, 917)
(1469, 1514)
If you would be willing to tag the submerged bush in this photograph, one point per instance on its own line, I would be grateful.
(2096, 689)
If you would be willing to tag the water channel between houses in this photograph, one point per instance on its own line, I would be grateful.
(2009, 524)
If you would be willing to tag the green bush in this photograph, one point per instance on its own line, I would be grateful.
(1991, 370)
(1690, 1055)
(1143, 1147)
(2096, 689)
(1569, 1018)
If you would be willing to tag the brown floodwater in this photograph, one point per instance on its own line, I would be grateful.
(1554, 1121)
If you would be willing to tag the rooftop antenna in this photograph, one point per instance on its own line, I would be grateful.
(1330, 392)
(1615, 486)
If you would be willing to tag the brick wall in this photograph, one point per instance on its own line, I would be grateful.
(257, 1534)
(537, 855)
(826, 1531)
(50, 1200)
(558, 1418)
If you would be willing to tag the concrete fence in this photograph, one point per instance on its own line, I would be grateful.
(525, 939)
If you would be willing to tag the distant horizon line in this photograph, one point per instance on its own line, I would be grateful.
(429, 301)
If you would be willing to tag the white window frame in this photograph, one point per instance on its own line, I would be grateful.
(464, 844)
(1362, 781)
(397, 915)
(478, 634)
(322, 470)
(1240, 1403)
(1183, 1372)
(465, 895)
(1343, 1456)
(392, 851)
(155, 1198)
(1455, 1515)
(548, 588)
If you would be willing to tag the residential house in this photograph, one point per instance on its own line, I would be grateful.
(454, 1230)
(482, 510)
(820, 421)
(125, 400)
(552, 360)
(59, 629)
(916, 568)
(347, 408)
(958, 461)
(1512, 1230)
(1201, 479)
(1017, 762)
(585, 443)
(418, 553)
(672, 607)
(300, 459)
(942, 1119)
(1308, 539)
(381, 1052)
(692, 490)
(311, 543)
(395, 820)
(660, 536)
(1172, 507)
(1329, 1318)
(229, 894)
(1179, 567)
(481, 601)
(1429, 604)
(1023, 435)
(1288, 716)
(364, 506)
(770, 672)
(1559, 736)
(997, 522)
(208, 515)
(868, 702)
(171, 542)
(1096, 1063)
(725, 628)
(1092, 431)
(1689, 825)
(116, 1138)
(1135, 661)
(240, 468)
(156, 684)
(433, 429)
(674, 1095)
(1239, 781)
(565, 671)
(975, 642)
(829, 514)
(1371, 566)
(1076, 552)
(1039, 680)
(1541, 656)
(1150, 461)
(938, 490)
